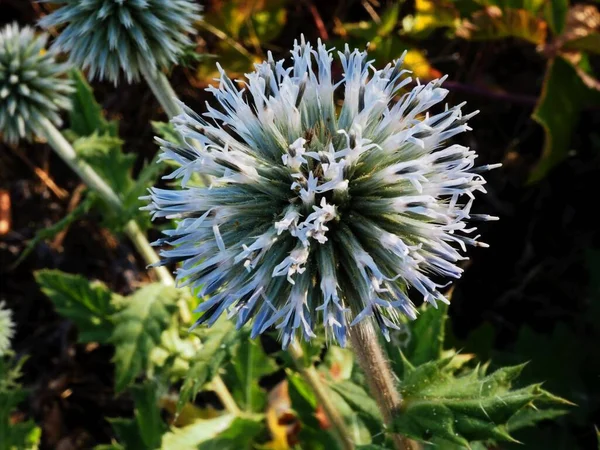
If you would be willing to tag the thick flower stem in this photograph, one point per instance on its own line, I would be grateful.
(380, 378)
(311, 376)
(66, 152)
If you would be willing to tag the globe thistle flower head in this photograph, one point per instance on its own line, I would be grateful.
(314, 214)
(107, 36)
(32, 84)
(7, 329)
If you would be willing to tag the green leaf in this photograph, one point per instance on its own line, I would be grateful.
(239, 436)
(207, 361)
(250, 363)
(468, 407)
(87, 305)
(127, 433)
(588, 43)
(528, 417)
(147, 414)
(389, 20)
(103, 153)
(556, 15)
(138, 328)
(86, 115)
(361, 402)
(562, 99)
(167, 131)
(51, 231)
(19, 436)
(427, 335)
(304, 404)
(191, 436)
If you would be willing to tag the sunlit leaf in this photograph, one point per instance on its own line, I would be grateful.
(240, 435)
(430, 15)
(138, 329)
(87, 305)
(462, 408)
(191, 436)
(205, 364)
(147, 413)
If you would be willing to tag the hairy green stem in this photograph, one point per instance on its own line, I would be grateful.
(66, 152)
(382, 382)
(311, 376)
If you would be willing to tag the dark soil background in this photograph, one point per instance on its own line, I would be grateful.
(530, 296)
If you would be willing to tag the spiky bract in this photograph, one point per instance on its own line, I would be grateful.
(315, 212)
(32, 84)
(106, 36)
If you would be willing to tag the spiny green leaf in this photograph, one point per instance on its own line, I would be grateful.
(138, 329)
(207, 361)
(528, 417)
(86, 115)
(20, 436)
(87, 305)
(468, 407)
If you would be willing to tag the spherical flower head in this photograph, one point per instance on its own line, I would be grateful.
(106, 36)
(315, 214)
(7, 329)
(32, 84)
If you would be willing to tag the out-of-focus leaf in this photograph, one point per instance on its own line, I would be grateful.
(207, 361)
(87, 305)
(428, 333)
(416, 62)
(21, 435)
(249, 363)
(494, 23)
(138, 329)
(338, 363)
(430, 15)
(389, 20)
(166, 131)
(51, 231)
(460, 409)
(563, 96)
(304, 403)
(190, 437)
(239, 436)
(127, 433)
(86, 116)
(189, 414)
(556, 15)
(147, 414)
(362, 403)
(582, 30)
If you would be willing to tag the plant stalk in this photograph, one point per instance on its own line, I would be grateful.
(312, 377)
(66, 152)
(381, 380)
(162, 89)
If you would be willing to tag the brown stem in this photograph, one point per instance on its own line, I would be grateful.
(381, 380)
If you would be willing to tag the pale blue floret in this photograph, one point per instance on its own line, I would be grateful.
(33, 85)
(109, 36)
(315, 215)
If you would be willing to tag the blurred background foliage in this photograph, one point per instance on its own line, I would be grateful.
(530, 66)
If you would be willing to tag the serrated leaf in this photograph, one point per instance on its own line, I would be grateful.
(249, 363)
(207, 361)
(428, 333)
(87, 305)
(147, 414)
(528, 417)
(14, 436)
(86, 115)
(240, 435)
(191, 436)
(469, 407)
(561, 101)
(138, 328)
